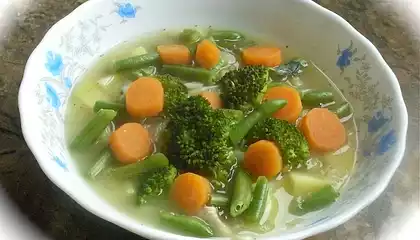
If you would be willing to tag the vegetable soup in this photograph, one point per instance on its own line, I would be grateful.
(211, 133)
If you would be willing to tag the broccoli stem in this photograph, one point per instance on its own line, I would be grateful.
(190, 73)
(190, 225)
(265, 110)
(107, 105)
(136, 61)
(93, 129)
(157, 160)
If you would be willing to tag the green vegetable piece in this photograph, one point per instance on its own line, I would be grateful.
(223, 35)
(107, 105)
(292, 143)
(244, 88)
(104, 161)
(192, 226)
(344, 110)
(157, 160)
(259, 200)
(232, 113)
(300, 183)
(314, 201)
(137, 61)
(264, 111)
(155, 183)
(93, 129)
(219, 200)
(190, 73)
(241, 193)
(290, 69)
(190, 36)
(316, 98)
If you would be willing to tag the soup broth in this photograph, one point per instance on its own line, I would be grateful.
(102, 82)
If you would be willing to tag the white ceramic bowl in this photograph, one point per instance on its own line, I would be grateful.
(347, 57)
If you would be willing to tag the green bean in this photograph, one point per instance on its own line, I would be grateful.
(316, 98)
(314, 201)
(105, 159)
(93, 129)
(107, 105)
(259, 200)
(192, 226)
(157, 160)
(264, 111)
(230, 36)
(344, 110)
(241, 193)
(190, 73)
(190, 36)
(219, 200)
(137, 61)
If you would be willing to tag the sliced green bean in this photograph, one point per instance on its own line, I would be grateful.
(259, 200)
(107, 105)
(104, 161)
(157, 160)
(223, 35)
(316, 98)
(265, 110)
(190, 73)
(219, 200)
(93, 129)
(344, 110)
(192, 226)
(190, 36)
(314, 201)
(137, 61)
(241, 193)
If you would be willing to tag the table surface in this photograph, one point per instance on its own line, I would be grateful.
(31, 207)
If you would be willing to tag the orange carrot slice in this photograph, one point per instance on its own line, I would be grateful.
(323, 130)
(263, 159)
(207, 54)
(130, 143)
(293, 107)
(174, 54)
(190, 192)
(144, 97)
(213, 98)
(266, 56)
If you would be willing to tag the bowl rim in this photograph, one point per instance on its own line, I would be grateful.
(156, 233)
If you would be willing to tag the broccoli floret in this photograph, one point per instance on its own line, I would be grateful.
(243, 88)
(199, 140)
(156, 183)
(291, 142)
(175, 91)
